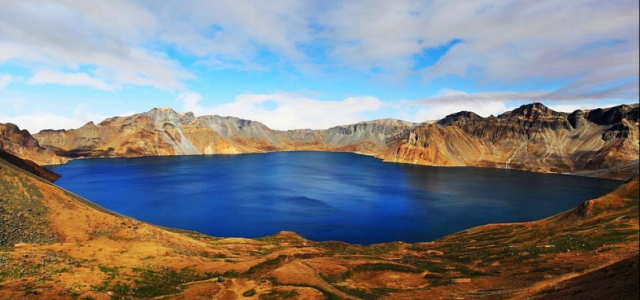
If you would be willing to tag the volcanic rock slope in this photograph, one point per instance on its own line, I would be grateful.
(20, 143)
(601, 142)
(55, 245)
(166, 132)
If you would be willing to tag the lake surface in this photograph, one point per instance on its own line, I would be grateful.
(320, 195)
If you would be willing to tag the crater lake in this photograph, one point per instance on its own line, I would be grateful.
(321, 195)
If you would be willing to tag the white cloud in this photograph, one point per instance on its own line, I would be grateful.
(111, 37)
(72, 79)
(84, 114)
(502, 41)
(440, 110)
(588, 47)
(189, 102)
(448, 96)
(38, 121)
(450, 101)
(569, 108)
(287, 111)
(5, 80)
(234, 33)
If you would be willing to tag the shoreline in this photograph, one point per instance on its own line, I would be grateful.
(584, 173)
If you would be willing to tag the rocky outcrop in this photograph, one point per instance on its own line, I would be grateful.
(601, 142)
(531, 137)
(459, 117)
(20, 143)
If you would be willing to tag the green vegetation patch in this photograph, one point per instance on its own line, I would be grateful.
(108, 270)
(280, 294)
(373, 293)
(19, 270)
(377, 267)
(341, 248)
(468, 272)
(149, 283)
(157, 283)
(441, 282)
(4, 262)
(335, 278)
(424, 264)
(230, 273)
(266, 266)
(612, 234)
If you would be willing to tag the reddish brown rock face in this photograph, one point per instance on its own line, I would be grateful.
(532, 138)
(165, 132)
(20, 143)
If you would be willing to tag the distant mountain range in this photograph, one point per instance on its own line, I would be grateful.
(599, 142)
(56, 245)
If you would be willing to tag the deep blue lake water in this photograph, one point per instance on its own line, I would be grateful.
(320, 195)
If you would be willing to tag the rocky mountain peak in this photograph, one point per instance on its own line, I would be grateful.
(531, 111)
(89, 124)
(613, 115)
(169, 115)
(452, 118)
(11, 133)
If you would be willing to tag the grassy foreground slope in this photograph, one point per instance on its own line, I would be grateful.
(55, 245)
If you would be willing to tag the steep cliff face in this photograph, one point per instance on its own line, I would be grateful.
(531, 137)
(163, 131)
(20, 143)
(379, 133)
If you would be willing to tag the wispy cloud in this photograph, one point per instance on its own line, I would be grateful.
(37, 121)
(110, 37)
(287, 111)
(483, 55)
(5, 80)
(590, 44)
(73, 79)
(449, 101)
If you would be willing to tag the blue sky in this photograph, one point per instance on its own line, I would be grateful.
(311, 64)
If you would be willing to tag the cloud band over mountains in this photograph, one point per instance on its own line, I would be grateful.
(397, 52)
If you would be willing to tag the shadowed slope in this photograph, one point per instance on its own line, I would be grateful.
(29, 166)
(617, 281)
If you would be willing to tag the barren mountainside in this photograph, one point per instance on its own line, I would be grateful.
(166, 132)
(601, 142)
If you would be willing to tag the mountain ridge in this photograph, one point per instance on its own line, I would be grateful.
(532, 137)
